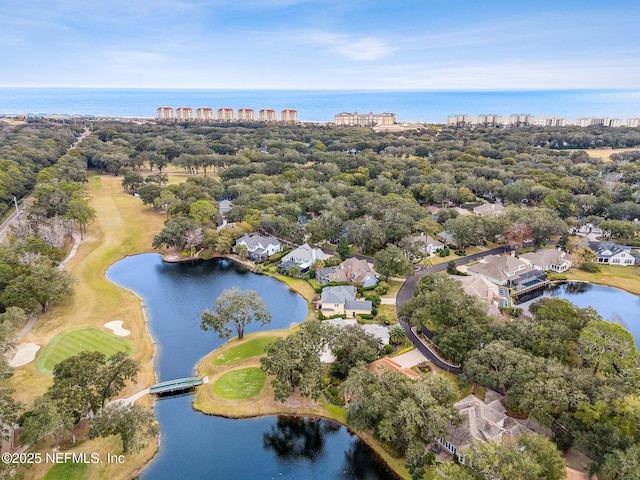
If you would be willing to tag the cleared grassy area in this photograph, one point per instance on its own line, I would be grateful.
(68, 471)
(297, 285)
(252, 348)
(605, 153)
(437, 259)
(394, 287)
(626, 278)
(240, 384)
(89, 339)
(388, 312)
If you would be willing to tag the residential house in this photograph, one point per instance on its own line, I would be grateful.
(259, 248)
(548, 259)
(379, 331)
(447, 238)
(225, 206)
(610, 253)
(501, 270)
(352, 270)
(479, 286)
(483, 421)
(488, 292)
(489, 209)
(302, 257)
(342, 301)
(427, 244)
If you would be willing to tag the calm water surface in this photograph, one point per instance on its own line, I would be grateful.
(611, 303)
(196, 446)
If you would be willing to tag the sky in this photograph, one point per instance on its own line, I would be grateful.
(321, 44)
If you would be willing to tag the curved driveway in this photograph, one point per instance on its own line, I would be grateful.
(408, 289)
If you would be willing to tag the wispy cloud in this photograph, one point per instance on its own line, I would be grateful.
(352, 47)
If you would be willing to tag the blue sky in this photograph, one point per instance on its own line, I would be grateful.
(321, 44)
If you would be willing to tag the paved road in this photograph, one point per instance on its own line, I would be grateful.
(6, 225)
(408, 288)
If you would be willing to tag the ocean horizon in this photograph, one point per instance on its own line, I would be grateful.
(322, 105)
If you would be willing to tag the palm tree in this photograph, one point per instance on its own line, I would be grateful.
(396, 334)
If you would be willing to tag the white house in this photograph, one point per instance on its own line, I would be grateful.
(259, 247)
(552, 259)
(610, 253)
(304, 256)
(427, 244)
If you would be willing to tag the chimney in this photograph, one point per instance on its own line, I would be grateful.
(348, 274)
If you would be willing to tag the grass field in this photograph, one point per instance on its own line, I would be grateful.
(68, 471)
(71, 343)
(240, 384)
(605, 153)
(626, 278)
(252, 348)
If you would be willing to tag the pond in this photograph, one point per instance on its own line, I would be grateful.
(194, 445)
(611, 303)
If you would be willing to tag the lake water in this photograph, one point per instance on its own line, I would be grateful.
(322, 105)
(196, 446)
(611, 303)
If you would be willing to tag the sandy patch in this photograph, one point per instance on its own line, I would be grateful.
(25, 353)
(116, 327)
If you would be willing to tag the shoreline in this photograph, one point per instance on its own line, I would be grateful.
(264, 405)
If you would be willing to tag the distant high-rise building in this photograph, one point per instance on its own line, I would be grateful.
(165, 114)
(246, 114)
(184, 114)
(267, 115)
(289, 115)
(458, 120)
(225, 114)
(204, 114)
(633, 122)
(521, 120)
(552, 122)
(367, 119)
(489, 120)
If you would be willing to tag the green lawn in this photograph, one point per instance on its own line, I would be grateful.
(68, 471)
(240, 384)
(252, 348)
(73, 342)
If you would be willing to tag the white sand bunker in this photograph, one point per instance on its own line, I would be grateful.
(116, 327)
(25, 353)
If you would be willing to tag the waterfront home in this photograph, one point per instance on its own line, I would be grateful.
(499, 269)
(482, 421)
(378, 331)
(547, 259)
(258, 247)
(610, 253)
(352, 270)
(479, 286)
(302, 257)
(342, 301)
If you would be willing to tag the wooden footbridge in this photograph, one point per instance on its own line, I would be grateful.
(178, 385)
